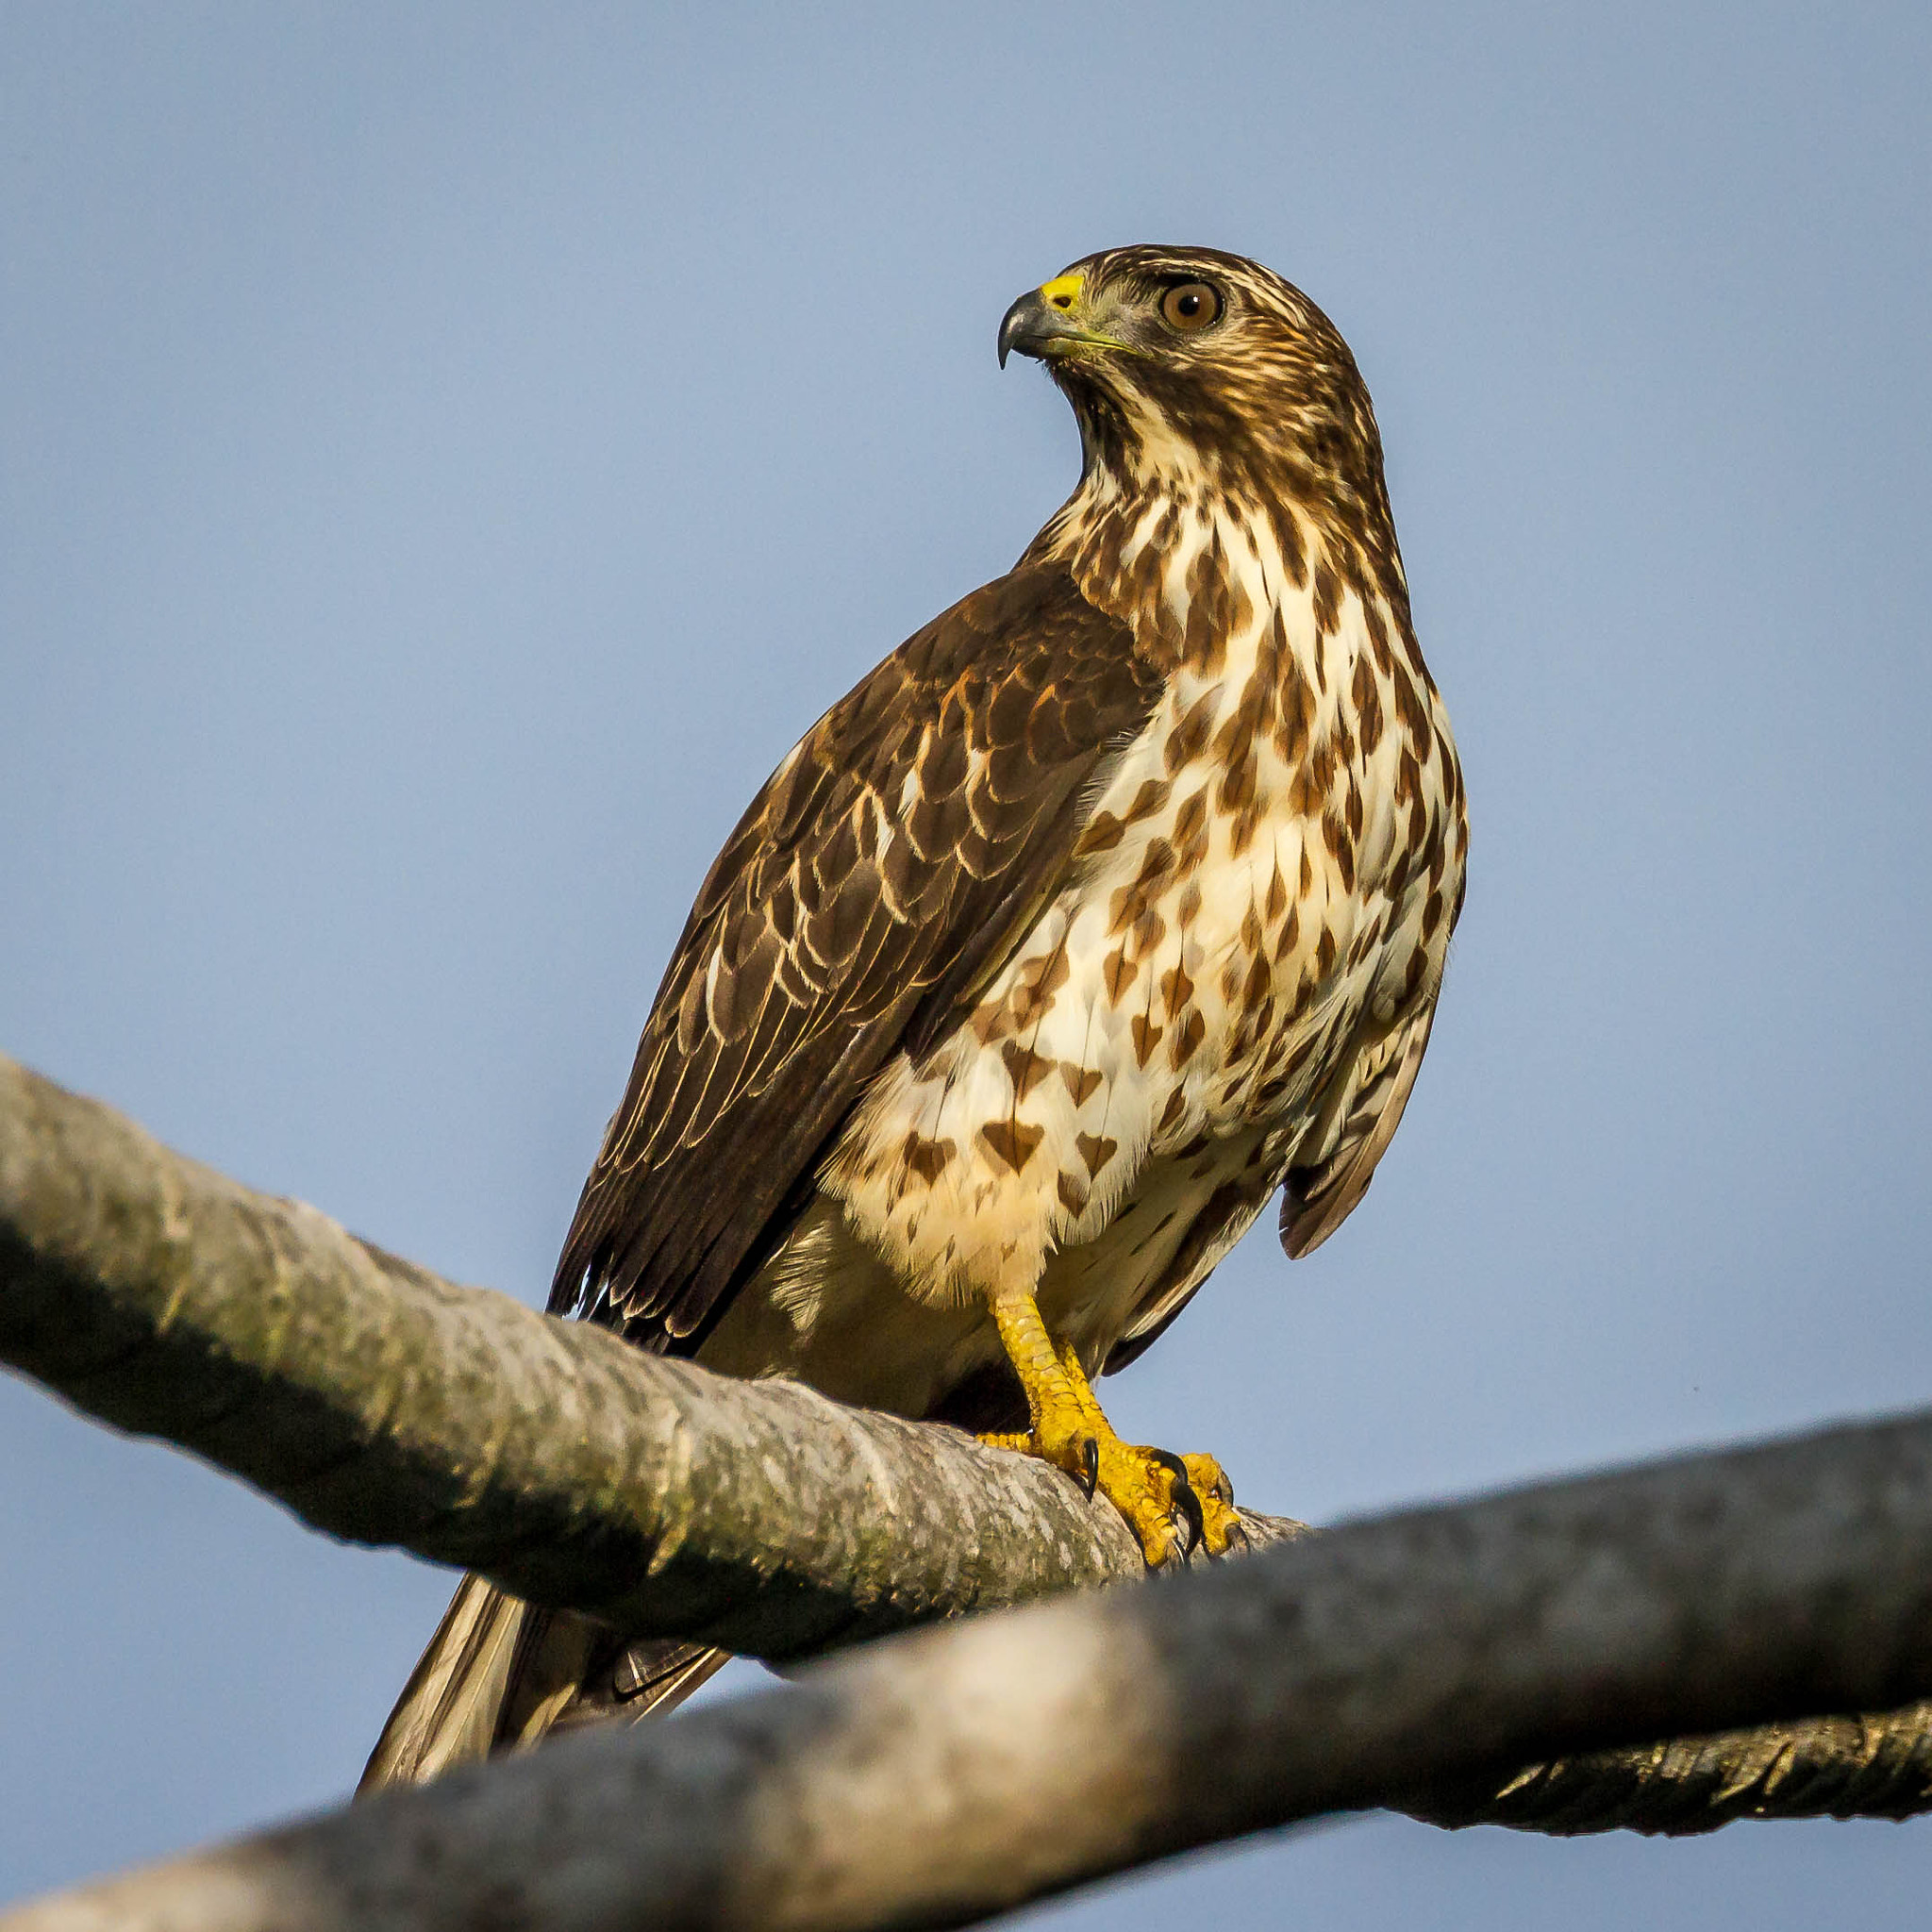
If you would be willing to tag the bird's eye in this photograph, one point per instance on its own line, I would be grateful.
(1190, 307)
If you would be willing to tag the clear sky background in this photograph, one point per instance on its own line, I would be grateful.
(449, 453)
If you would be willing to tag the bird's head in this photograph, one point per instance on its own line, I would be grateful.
(1193, 370)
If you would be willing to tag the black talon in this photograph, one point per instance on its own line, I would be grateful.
(1090, 1455)
(1188, 1504)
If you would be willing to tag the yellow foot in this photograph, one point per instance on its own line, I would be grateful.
(1174, 1504)
(1221, 1525)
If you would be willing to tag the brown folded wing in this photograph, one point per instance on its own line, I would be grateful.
(1317, 1199)
(893, 858)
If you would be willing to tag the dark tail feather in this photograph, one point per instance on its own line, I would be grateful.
(500, 1675)
(641, 1680)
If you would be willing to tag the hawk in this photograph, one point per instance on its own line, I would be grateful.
(1113, 902)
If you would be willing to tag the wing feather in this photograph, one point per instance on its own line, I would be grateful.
(1318, 1198)
(892, 861)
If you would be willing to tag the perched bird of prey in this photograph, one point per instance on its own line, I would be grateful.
(1112, 902)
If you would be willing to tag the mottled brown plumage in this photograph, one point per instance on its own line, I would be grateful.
(913, 831)
(1114, 901)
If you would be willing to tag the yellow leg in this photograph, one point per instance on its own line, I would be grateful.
(1172, 1503)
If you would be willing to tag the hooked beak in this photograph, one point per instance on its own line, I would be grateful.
(1042, 324)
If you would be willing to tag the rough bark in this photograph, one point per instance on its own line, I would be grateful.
(385, 1405)
(950, 1773)
(1879, 1766)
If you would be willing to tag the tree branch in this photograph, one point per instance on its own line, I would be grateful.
(384, 1404)
(1821, 1767)
(950, 1773)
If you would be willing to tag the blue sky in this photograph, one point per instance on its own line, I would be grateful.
(449, 452)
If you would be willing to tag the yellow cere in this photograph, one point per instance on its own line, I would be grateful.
(1063, 292)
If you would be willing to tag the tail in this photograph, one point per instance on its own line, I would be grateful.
(500, 1674)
